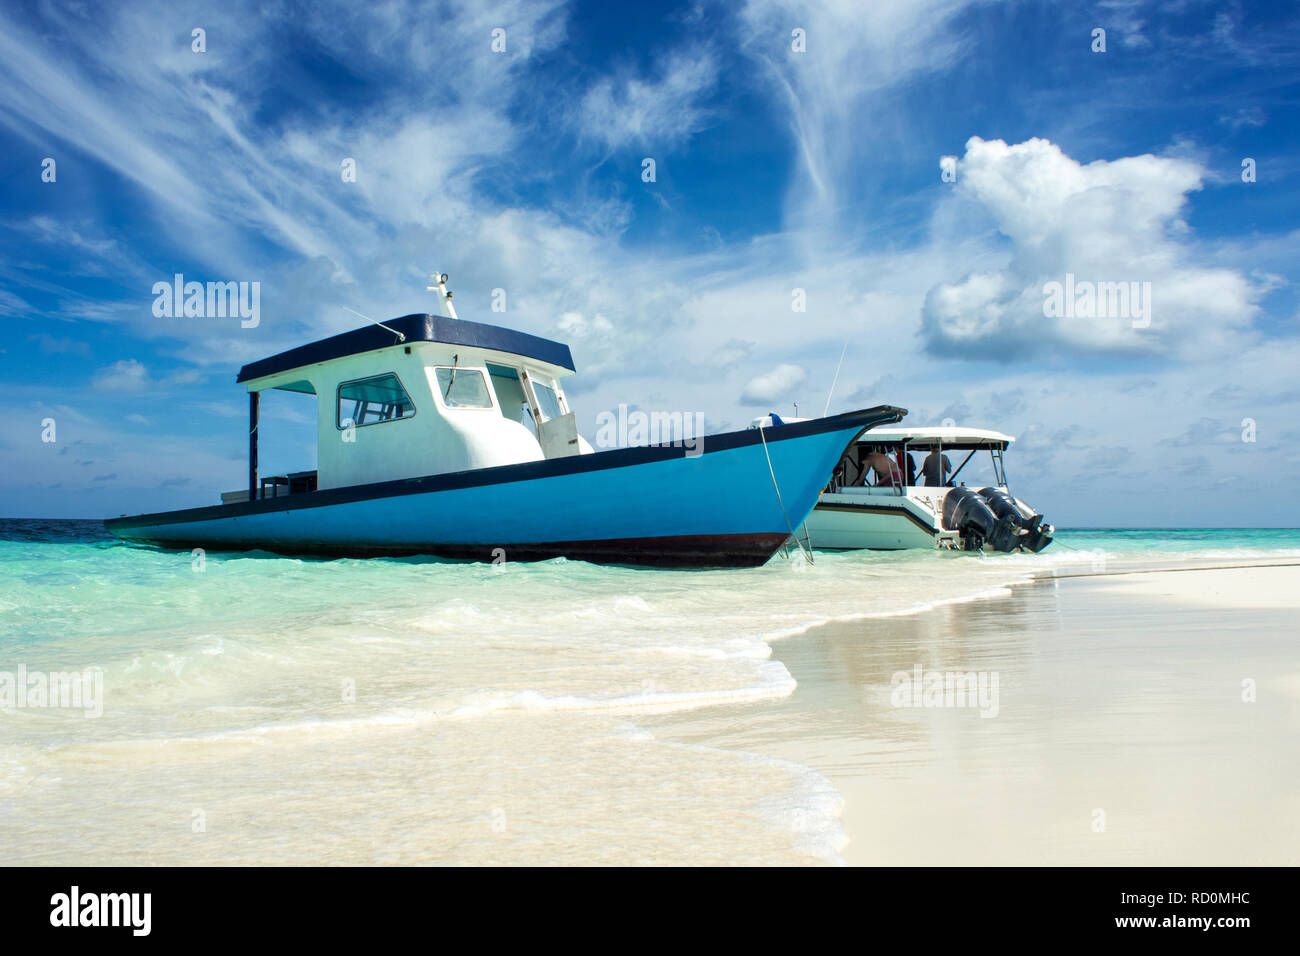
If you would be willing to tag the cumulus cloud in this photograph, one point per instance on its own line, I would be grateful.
(54, 345)
(770, 386)
(1005, 404)
(731, 353)
(130, 375)
(1207, 431)
(957, 412)
(126, 375)
(1122, 17)
(1246, 117)
(576, 325)
(873, 393)
(1073, 224)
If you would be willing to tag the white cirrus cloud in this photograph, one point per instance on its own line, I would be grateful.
(854, 53)
(661, 111)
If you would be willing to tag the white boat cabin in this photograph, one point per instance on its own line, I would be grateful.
(418, 395)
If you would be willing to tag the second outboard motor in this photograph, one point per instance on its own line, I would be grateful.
(966, 511)
(1038, 534)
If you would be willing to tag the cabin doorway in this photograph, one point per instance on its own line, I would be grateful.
(282, 445)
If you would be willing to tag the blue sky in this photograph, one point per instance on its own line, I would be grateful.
(775, 170)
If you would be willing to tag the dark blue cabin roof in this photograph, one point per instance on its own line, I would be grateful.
(416, 328)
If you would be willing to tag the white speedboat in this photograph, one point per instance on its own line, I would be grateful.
(898, 488)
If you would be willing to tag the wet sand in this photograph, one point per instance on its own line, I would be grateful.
(1141, 718)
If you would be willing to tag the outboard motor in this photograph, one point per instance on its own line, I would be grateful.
(966, 511)
(1038, 533)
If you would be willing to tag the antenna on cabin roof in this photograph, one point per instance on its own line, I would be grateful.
(400, 336)
(439, 289)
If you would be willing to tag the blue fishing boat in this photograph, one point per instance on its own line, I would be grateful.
(441, 436)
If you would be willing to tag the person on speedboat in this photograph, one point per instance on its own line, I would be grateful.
(931, 466)
(885, 469)
(906, 466)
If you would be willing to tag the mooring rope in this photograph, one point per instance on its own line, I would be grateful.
(806, 553)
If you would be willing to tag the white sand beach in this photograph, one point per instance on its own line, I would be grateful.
(1126, 732)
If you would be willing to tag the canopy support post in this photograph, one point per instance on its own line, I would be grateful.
(253, 414)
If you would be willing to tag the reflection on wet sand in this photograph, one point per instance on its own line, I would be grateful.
(1122, 734)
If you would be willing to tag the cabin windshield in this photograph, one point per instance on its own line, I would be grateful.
(463, 388)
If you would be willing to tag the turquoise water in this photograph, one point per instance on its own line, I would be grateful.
(240, 675)
(64, 585)
(1198, 542)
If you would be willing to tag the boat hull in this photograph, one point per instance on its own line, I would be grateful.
(862, 519)
(846, 525)
(656, 505)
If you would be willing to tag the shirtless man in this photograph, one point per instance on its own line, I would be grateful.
(884, 467)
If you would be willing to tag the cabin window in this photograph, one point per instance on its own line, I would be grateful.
(548, 402)
(463, 388)
(369, 401)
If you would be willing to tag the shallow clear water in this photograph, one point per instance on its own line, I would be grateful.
(423, 710)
